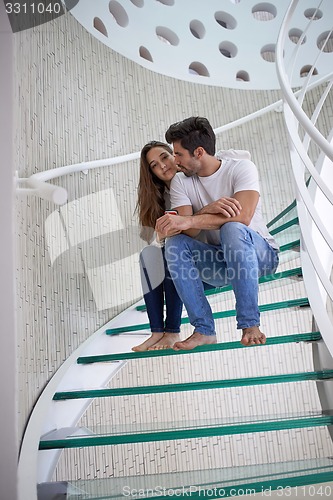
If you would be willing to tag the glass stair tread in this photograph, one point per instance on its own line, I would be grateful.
(288, 213)
(76, 437)
(220, 346)
(193, 386)
(291, 245)
(289, 273)
(258, 477)
(273, 306)
(283, 227)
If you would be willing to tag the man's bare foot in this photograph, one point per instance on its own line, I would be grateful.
(253, 336)
(166, 342)
(195, 340)
(153, 339)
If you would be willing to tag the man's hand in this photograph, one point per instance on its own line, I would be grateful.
(229, 207)
(169, 225)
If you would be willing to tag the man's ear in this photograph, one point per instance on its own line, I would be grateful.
(199, 152)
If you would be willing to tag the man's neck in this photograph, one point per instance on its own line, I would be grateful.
(209, 166)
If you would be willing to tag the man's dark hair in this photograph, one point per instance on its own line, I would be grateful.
(192, 133)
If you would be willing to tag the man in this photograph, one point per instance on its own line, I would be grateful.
(218, 236)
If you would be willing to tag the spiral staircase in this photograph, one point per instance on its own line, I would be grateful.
(226, 480)
(203, 447)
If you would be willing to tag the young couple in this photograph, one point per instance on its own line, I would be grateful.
(218, 237)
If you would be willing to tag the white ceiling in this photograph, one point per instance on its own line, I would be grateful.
(228, 43)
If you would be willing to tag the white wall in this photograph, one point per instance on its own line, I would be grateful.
(8, 378)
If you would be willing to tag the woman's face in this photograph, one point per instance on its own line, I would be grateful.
(162, 164)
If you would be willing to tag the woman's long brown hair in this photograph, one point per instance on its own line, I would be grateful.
(151, 204)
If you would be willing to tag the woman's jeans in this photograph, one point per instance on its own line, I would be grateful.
(240, 260)
(157, 284)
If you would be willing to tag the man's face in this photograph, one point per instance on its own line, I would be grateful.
(189, 165)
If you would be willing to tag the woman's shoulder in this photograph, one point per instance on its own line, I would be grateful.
(180, 178)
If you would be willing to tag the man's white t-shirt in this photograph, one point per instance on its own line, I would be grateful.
(236, 173)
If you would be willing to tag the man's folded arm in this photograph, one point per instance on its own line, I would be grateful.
(240, 208)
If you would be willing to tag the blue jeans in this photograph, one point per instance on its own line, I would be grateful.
(241, 258)
(157, 284)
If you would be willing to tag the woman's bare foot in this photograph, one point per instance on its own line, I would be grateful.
(153, 339)
(166, 342)
(195, 340)
(253, 336)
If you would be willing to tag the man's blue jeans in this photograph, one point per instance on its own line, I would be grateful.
(157, 285)
(240, 260)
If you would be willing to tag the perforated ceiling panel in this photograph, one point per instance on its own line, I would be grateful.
(227, 43)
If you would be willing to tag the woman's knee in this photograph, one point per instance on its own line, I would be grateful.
(150, 256)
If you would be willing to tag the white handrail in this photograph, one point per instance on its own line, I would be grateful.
(315, 203)
(300, 41)
(37, 183)
(315, 114)
(289, 96)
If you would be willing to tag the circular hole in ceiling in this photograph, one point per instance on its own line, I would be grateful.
(167, 36)
(295, 35)
(197, 68)
(228, 49)
(306, 70)
(145, 54)
(242, 76)
(325, 42)
(225, 20)
(166, 2)
(197, 29)
(268, 53)
(138, 3)
(313, 14)
(100, 26)
(264, 11)
(119, 13)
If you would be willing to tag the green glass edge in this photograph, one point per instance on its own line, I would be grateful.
(290, 245)
(220, 346)
(218, 315)
(284, 226)
(286, 210)
(87, 441)
(282, 214)
(263, 487)
(297, 271)
(194, 386)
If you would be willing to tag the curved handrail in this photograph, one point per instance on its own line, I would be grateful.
(316, 232)
(288, 94)
(38, 183)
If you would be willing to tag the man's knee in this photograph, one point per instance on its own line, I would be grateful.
(235, 240)
(232, 229)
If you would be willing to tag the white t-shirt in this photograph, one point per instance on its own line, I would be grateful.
(236, 173)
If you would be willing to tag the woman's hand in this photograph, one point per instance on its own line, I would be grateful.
(169, 225)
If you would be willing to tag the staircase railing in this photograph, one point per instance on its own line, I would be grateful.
(311, 152)
(38, 184)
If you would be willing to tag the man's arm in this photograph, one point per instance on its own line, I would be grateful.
(223, 210)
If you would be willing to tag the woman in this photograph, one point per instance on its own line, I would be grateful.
(157, 169)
